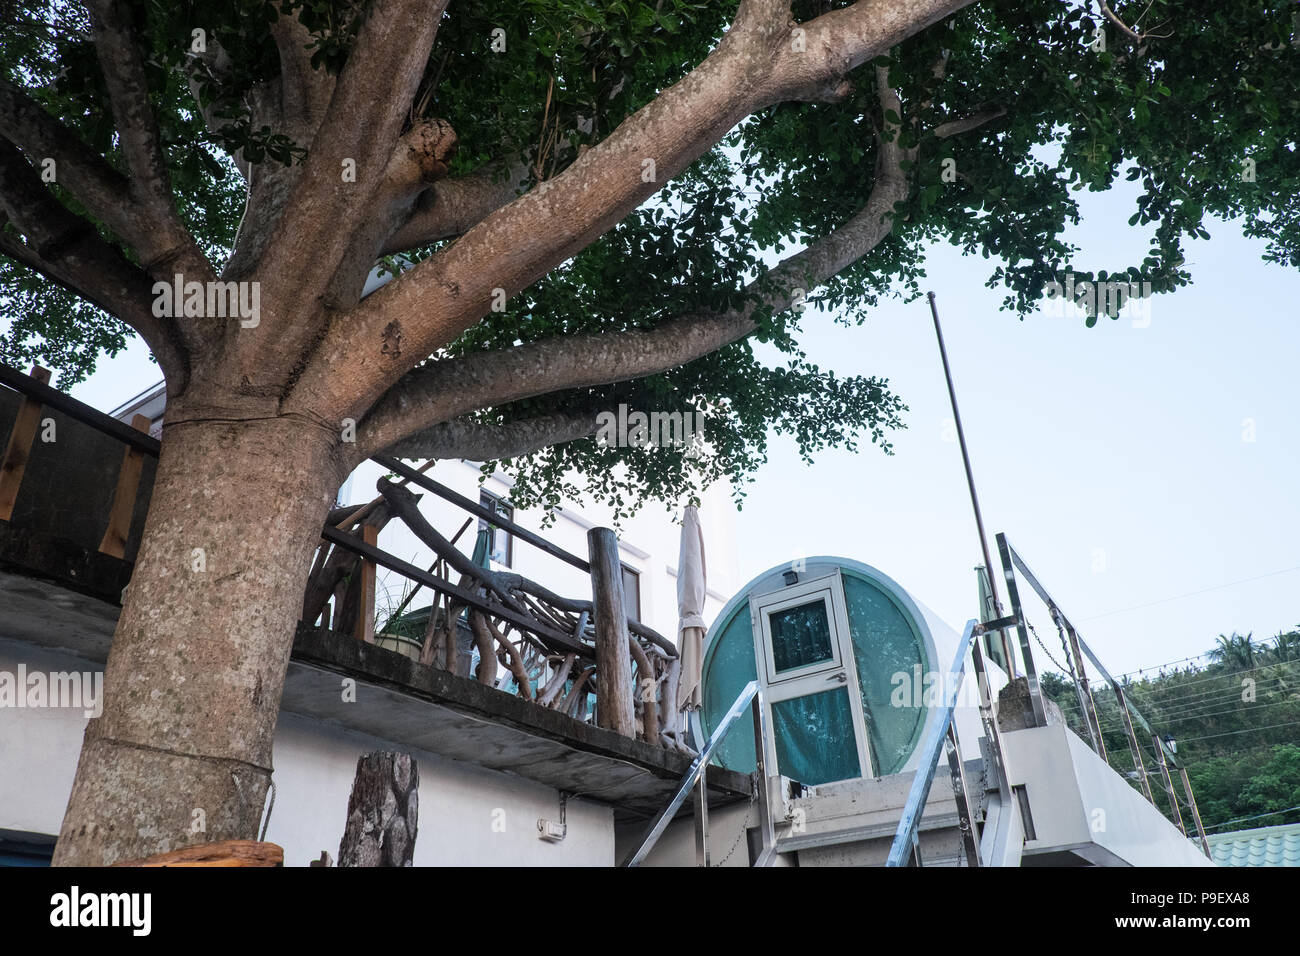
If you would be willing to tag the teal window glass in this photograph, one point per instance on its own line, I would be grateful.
(800, 636)
(729, 667)
(888, 651)
(815, 742)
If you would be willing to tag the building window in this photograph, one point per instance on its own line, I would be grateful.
(500, 547)
(632, 593)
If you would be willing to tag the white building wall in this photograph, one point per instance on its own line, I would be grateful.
(468, 816)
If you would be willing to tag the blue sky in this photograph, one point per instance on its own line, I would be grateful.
(1115, 458)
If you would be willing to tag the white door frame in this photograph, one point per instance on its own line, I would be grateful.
(840, 670)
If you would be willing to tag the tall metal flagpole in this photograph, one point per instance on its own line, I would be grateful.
(970, 482)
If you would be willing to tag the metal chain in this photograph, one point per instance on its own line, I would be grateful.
(1063, 670)
(744, 828)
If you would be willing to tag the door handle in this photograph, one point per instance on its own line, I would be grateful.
(842, 677)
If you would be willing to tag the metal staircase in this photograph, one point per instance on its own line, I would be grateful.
(1026, 789)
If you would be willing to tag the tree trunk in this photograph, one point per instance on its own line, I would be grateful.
(182, 752)
(383, 811)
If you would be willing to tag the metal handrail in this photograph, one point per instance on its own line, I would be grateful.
(1019, 563)
(1076, 650)
(751, 693)
(905, 837)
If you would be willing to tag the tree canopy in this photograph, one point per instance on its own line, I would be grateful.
(980, 131)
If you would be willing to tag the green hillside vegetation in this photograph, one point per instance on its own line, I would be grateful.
(1235, 722)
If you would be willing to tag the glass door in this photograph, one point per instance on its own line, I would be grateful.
(805, 661)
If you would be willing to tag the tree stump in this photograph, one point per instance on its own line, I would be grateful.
(382, 811)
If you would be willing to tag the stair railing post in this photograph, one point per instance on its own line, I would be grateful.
(702, 817)
(1169, 784)
(1133, 747)
(762, 782)
(1196, 813)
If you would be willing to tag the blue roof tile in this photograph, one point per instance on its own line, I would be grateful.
(1263, 846)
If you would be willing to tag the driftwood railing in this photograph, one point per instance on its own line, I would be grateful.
(585, 658)
(581, 657)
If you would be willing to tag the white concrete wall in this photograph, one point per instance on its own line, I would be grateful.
(38, 749)
(649, 542)
(1078, 802)
(468, 816)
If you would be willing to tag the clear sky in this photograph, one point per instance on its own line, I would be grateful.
(1127, 464)
(1119, 460)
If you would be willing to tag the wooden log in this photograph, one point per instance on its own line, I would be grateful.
(19, 448)
(365, 628)
(487, 658)
(405, 506)
(340, 623)
(221, 853)
(382, 811)
(647, 691)
(578, 694)
(128, 483)
(433, 650)
(555, 687)
(325, 582)
(357, 514)
(514, 661)
(419, 584)
(614, 704)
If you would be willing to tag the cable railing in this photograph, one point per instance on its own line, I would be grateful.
(1140, 741)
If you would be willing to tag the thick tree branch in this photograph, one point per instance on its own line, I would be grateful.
(172, 247)
(478, 442)
(452, 207)
(965, 124)
(412, 317)
(839, 41)
(444, 390)
(358, 135)
(420, 157)
(96, 184)
(69, 250)
(304, 92)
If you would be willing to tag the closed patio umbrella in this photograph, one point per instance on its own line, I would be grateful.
(691, 578)
(989, 612)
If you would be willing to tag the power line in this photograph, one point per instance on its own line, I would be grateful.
(1199, 704)
(1220, 713)
(1191, 702)
(1233, 733)
(1202, 680)
(1271, 813)
(1156, 667)
(1112, 722)
(1179, 597)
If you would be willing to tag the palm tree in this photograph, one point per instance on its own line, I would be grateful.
(1236, 653)
(1286, 647)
